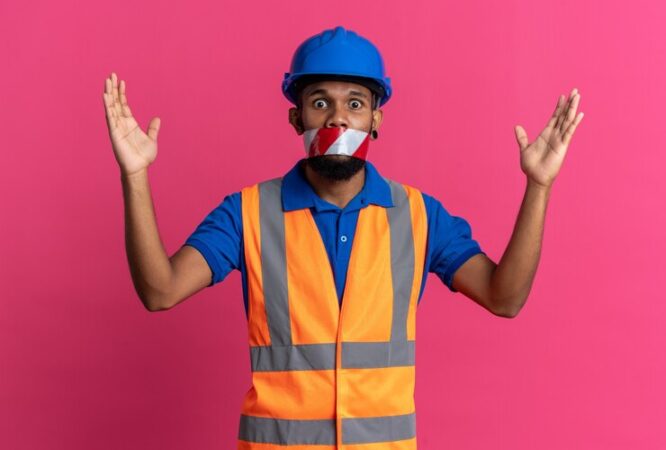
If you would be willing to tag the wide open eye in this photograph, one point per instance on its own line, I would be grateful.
(318, 103)
(358, 104)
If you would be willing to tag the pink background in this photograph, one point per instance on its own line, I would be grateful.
(84, 365)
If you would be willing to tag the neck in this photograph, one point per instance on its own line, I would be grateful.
(337, 192)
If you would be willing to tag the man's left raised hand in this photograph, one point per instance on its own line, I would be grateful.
(541, 160)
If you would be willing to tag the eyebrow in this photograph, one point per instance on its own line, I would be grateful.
(324, 91)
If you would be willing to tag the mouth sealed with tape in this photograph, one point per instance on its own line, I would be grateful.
(336, 141)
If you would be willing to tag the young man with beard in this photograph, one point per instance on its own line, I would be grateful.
(333, 256)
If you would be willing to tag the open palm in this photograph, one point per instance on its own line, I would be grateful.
(134, 149)
(542, 159)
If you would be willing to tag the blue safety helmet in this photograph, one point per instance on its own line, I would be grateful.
(337, 54)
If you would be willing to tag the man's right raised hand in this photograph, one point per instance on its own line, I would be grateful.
(134, 149)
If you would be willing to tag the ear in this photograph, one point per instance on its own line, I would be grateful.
(295, 120)
(377, 116)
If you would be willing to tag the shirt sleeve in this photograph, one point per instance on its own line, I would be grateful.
(450, 241)
(219, 238)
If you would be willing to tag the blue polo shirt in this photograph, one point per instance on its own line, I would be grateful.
(219, 237)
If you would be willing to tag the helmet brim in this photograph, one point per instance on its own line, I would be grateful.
(299, 82)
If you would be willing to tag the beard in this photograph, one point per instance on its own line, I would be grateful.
(335, 167)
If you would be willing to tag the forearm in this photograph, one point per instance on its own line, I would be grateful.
(148, 261)
(512, 279)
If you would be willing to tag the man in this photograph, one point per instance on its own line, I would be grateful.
(333, 256)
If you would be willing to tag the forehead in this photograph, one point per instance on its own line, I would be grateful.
(336, 87)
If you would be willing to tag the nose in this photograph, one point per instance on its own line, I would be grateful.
(337, 118)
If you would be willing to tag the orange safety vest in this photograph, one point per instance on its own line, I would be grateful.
(325, 377)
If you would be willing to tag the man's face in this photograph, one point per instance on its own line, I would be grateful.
(326, 104)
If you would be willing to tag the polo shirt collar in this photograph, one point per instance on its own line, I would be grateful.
(297, 193)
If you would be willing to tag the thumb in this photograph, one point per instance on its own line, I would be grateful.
(521, 137)
(154, 128)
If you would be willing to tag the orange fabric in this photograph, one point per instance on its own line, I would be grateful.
(386, 391)
(369, 280)
(296, 394)
(312, 322)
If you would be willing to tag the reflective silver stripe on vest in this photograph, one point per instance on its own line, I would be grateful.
(293, 357)
(366, 355)
(286, 431)
(355, 355)
(274, 261)
(363, 430)
(378, 429)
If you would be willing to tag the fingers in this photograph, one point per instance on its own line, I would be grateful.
(571, 128)
(568, 114)
(115, 101)
(571, 114)
(521, 137)
(154, 128)
(123, 100)
(561, 115)
(111, 117)
(116, 97)
(553, 119)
